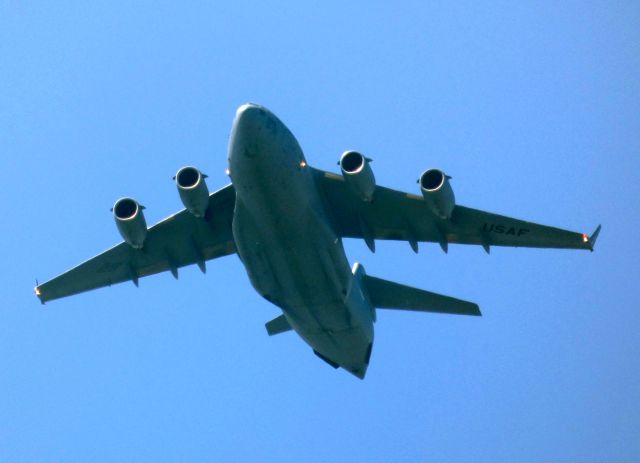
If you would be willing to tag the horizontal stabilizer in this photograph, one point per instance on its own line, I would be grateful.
(385, 294)
(278, 325)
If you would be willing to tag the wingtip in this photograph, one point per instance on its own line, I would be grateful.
(38, 292)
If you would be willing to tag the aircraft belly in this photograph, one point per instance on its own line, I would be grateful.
(291, 253)
(295, 260)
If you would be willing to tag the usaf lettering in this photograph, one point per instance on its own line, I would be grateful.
(502, 229)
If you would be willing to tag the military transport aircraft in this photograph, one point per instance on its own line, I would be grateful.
(286, 221)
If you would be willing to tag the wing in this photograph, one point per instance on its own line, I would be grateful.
(393, 215)
(176, 241)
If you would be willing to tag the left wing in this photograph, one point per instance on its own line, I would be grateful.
(394, 215)
(174, 242)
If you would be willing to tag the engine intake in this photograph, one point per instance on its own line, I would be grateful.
(193, 190)
(130, 221)
(437, 192)
(358, 175)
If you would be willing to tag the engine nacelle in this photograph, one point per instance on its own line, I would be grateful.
(193, 190)
(358, 175)
(130, 221)
(437, 192)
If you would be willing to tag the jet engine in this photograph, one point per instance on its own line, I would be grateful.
(193, 190)
(437, 192)
(130, 221)
(358, 175)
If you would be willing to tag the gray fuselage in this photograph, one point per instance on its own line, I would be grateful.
(286, 242)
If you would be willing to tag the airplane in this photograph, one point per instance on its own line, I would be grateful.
(286, 221)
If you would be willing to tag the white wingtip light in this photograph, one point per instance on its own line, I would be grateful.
(38, 293)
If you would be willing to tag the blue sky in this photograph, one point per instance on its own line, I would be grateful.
(533, 109)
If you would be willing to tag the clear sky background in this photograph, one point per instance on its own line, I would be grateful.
(533, 108)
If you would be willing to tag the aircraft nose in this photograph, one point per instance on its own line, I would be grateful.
(259, 141)
(251, 115)
(252, 128)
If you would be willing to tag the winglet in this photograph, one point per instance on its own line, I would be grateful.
(594, 237)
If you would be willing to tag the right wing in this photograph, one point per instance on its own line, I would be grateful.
(394, 215)
(179, 240)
